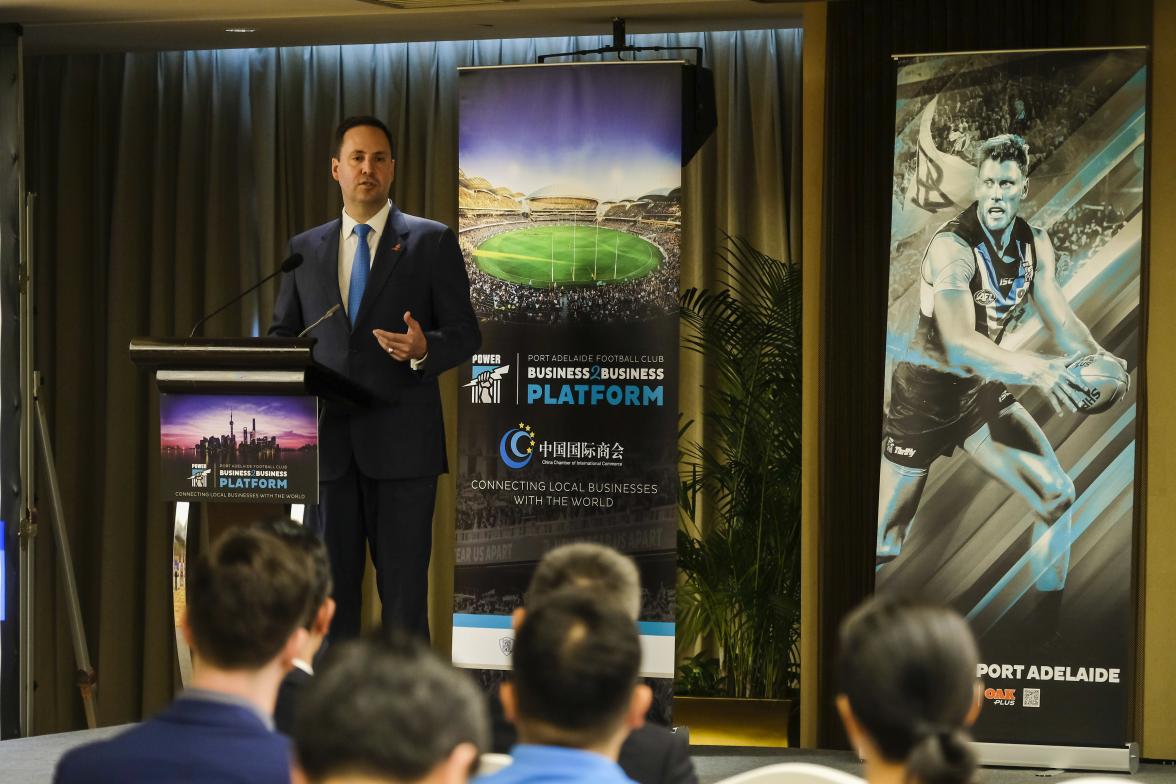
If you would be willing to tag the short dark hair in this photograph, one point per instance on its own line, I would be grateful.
(246, 596)
(575, 664)
(1006, 147)
(908, 669)
(357, 121)
(311, 544)
(599, 570)
(386, 708)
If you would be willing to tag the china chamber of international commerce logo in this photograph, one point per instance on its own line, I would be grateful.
(486, 374)
(200, 472)
(517, 445)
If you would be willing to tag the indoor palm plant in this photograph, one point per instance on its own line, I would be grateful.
(740, 591)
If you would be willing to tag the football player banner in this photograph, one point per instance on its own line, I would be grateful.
(1008, 457)
(569, 195)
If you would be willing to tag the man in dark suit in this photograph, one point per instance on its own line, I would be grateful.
(318, 620)
(651, 754)
(402, 284)
(247, 600)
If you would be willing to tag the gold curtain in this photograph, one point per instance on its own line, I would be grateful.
(167, 182)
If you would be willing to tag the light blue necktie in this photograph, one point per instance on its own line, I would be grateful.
(360, 266)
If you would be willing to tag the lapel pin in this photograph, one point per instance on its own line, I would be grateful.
(396, 248)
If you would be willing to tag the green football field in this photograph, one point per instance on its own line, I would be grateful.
(566, 256)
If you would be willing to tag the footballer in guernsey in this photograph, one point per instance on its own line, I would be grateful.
(977, 270)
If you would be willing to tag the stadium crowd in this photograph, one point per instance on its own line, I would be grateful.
(1081, 233)
(1045, 106)
(652, 295)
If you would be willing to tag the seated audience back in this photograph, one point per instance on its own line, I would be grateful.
(574, 695)
(389, 711)
(651, 754)
(909, 691)
(247, 601)
(318, 622)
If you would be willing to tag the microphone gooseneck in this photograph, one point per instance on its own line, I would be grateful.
(289, 265)
(332, 311)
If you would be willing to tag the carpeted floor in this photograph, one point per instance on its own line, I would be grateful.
(31, 760)
(715, 763)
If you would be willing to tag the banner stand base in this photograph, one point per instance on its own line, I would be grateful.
(1022, 755)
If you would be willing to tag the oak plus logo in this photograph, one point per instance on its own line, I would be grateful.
(1001, 696)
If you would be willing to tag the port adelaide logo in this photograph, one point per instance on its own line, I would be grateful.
(486, 374)
(200, 472)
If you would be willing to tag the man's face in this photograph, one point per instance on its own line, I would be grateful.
(1000, 186)
(364, 170)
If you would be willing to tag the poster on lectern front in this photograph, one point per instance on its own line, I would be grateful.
(570, 211)
(238, 448)
(1008, 450)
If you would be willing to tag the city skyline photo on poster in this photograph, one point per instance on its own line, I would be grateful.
(185, 419)
(1007, 461)
(239, 448)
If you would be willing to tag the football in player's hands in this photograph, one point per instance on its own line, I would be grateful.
(1104, 379)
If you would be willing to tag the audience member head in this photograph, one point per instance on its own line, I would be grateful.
(247, 600)
(389, 710)
(575, 667)
(307, 542)
(599, 571)
(909, 689)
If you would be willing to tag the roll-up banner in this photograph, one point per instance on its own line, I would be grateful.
(1008, 450)
(570, 209)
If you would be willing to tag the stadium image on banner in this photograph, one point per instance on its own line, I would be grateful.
(1007, 460)
(570, 222)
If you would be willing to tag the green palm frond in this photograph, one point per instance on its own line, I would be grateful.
(741, 587)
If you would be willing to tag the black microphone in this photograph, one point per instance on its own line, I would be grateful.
(334, 309)
(289, 265)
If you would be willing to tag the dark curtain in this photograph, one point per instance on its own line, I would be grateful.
(169, 181)
(859, 123)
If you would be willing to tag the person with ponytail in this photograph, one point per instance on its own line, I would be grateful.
(909, 691)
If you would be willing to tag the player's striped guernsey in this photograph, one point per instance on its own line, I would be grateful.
(999, 283)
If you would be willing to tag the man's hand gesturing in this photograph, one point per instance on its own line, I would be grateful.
(403, 346)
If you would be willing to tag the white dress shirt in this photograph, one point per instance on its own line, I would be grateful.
(349, 242)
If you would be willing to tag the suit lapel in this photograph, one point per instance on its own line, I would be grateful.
(389, 251)
(326, 266)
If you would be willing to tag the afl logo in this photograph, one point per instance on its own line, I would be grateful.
(516, 445)
(984, 297)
